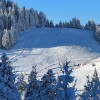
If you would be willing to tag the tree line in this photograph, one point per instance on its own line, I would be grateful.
(14, 20)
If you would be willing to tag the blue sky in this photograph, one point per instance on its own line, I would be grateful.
(64, 10)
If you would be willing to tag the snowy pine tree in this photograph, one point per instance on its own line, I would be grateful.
(57, 25)
(8, 90)
(65, 92)
(32, 17)
(42, 19)
(12, 36)
(26, 19)
(75, 23)
(92, 88)
(36, 18)
(48, 89)
(6, 39)
(1, 25)
(97, 33)
(47, 23)
(32, 92)
(90, 25)
(21, 84)
(5, 19)
(51, 24)
(60, 24)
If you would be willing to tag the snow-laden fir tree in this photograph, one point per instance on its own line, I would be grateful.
(21, 84)
(90, 25)
(8, 89)
(26, 20)
(47, 23)
(42, 19)
(67, 25)
(31, 17)
(60, 24)
(92, 88)
(9, 38)
(57, 25)
(5, 19)
(1, 29)
(51, 24)
(36, 18)
(66, 92)
(32, 91)
(6, 39)
(12, 36)
(75, 23)
(97, 33)
(1, 25)
(48, 89)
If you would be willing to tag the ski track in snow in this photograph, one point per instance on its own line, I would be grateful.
(50, 46)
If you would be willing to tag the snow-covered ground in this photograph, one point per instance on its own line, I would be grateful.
(47, 47)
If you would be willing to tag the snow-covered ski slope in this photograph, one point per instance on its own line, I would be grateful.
(47, 47)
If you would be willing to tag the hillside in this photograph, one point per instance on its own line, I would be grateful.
(47, 47)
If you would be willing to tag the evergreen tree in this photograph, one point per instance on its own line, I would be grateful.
(60, 24)
(47, 23)
(26, 20)
(12, 36)
(36, 18)
(97, 33)
(75, 23)
(48, 88)
(6, 39)
(9, 22)
(8, 90)
(57, 26)
(67, 25)
(65, 92)
(51, 24)
(9, 3)
(12, 21)
(92, 89)
(32, 17)
(21, 84)
(90, 25)
(1, 25)
(5, 19)
(42, 19)
(32, 92)
(1, 30)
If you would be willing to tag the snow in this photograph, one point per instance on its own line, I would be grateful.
(47, 47)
